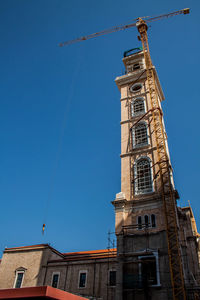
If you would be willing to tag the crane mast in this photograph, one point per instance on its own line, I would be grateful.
(164, 171)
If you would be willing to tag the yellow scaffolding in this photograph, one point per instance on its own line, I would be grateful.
(167, 190)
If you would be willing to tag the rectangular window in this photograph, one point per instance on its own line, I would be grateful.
(139, 222)
(153, 220)
(146, 221)
(82, 279)
(55, 280)
(112, 278)
(18, 279)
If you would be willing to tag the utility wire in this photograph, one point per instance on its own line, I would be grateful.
(61, 138)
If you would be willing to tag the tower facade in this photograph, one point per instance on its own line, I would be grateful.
(141, 208)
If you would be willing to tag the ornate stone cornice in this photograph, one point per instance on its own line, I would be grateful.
(139, 75)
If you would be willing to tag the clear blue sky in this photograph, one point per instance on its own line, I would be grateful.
(60, 114)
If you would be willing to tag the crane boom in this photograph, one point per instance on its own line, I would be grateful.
(125, 26)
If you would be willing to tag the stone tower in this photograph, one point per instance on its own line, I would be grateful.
(143, 266)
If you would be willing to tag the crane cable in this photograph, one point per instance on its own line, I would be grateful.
(61, 138)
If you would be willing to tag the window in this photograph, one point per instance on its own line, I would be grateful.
(82, 279)
(137, 106)
(132, 68)
(140, 136)
(19, 279)
(153, 221)
(139, 222)
(136, 87)
(143, 182)
(146, 221)
(55, 280)
(112, 278)
(136, 66)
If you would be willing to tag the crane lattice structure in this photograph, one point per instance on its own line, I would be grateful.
(167, 190)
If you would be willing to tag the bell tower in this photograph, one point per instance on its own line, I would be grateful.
(139, 214)
(140, 184)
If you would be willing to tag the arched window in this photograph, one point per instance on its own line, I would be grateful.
(143, 181)
(140, 136)
(137, 106)
(153, 221)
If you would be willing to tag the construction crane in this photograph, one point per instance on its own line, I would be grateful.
(167, 190)
(126, 26)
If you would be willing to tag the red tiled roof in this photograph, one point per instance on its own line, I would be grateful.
(87, 255)
(91, 252)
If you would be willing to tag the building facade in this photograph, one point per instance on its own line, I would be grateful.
(139, 268)
(91, 274)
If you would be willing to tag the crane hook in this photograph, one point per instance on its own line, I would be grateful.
(43, 228)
